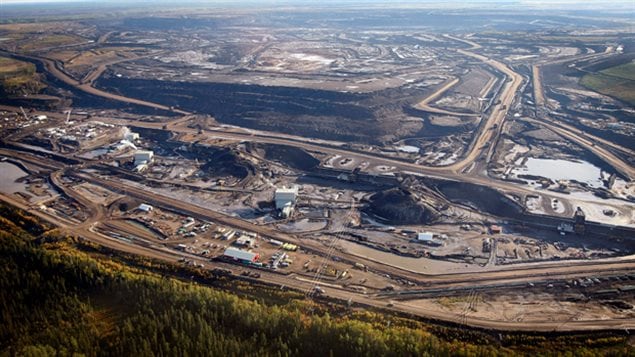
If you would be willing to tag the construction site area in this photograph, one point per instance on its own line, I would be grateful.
(464, 176)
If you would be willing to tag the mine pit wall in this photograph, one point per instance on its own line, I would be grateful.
(161, 135)
(494, 92)
(119, 172)
(51, 155)
(519, 216)
(273, 108)
(613, 136)
(131, 176)
(592, 228)
(374, 180)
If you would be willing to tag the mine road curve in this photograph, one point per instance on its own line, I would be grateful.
(487, 134)
(425, 104)
(88, 88)
(50, 66)
(97, 211)
(95, 73)
(539, 94)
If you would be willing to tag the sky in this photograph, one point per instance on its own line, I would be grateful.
(531, 3)
(439, 1)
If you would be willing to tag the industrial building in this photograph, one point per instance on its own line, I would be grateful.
(425, 236)
(144, 207)
(285, 199)
(244, 241)
(242, 256)
(285, 196)
(143, 157)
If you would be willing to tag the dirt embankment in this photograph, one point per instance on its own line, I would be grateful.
(290, 156)
(399, 206)
(220, 162)
(481, 198)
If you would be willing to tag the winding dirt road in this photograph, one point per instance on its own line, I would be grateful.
(425, 104)
(52, 68)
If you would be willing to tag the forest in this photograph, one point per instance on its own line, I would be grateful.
(62, 296)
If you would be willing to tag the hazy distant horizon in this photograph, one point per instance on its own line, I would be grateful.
(623, 7)
(307, 2)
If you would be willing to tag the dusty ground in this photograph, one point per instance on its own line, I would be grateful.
(523, 307)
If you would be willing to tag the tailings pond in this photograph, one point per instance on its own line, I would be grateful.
(9, 174)
(555, 170)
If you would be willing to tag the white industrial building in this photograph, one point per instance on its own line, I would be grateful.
(285, 200)
(425, 236)
(143, 157)
(285, 196)
(144, 207)
(241, 255)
